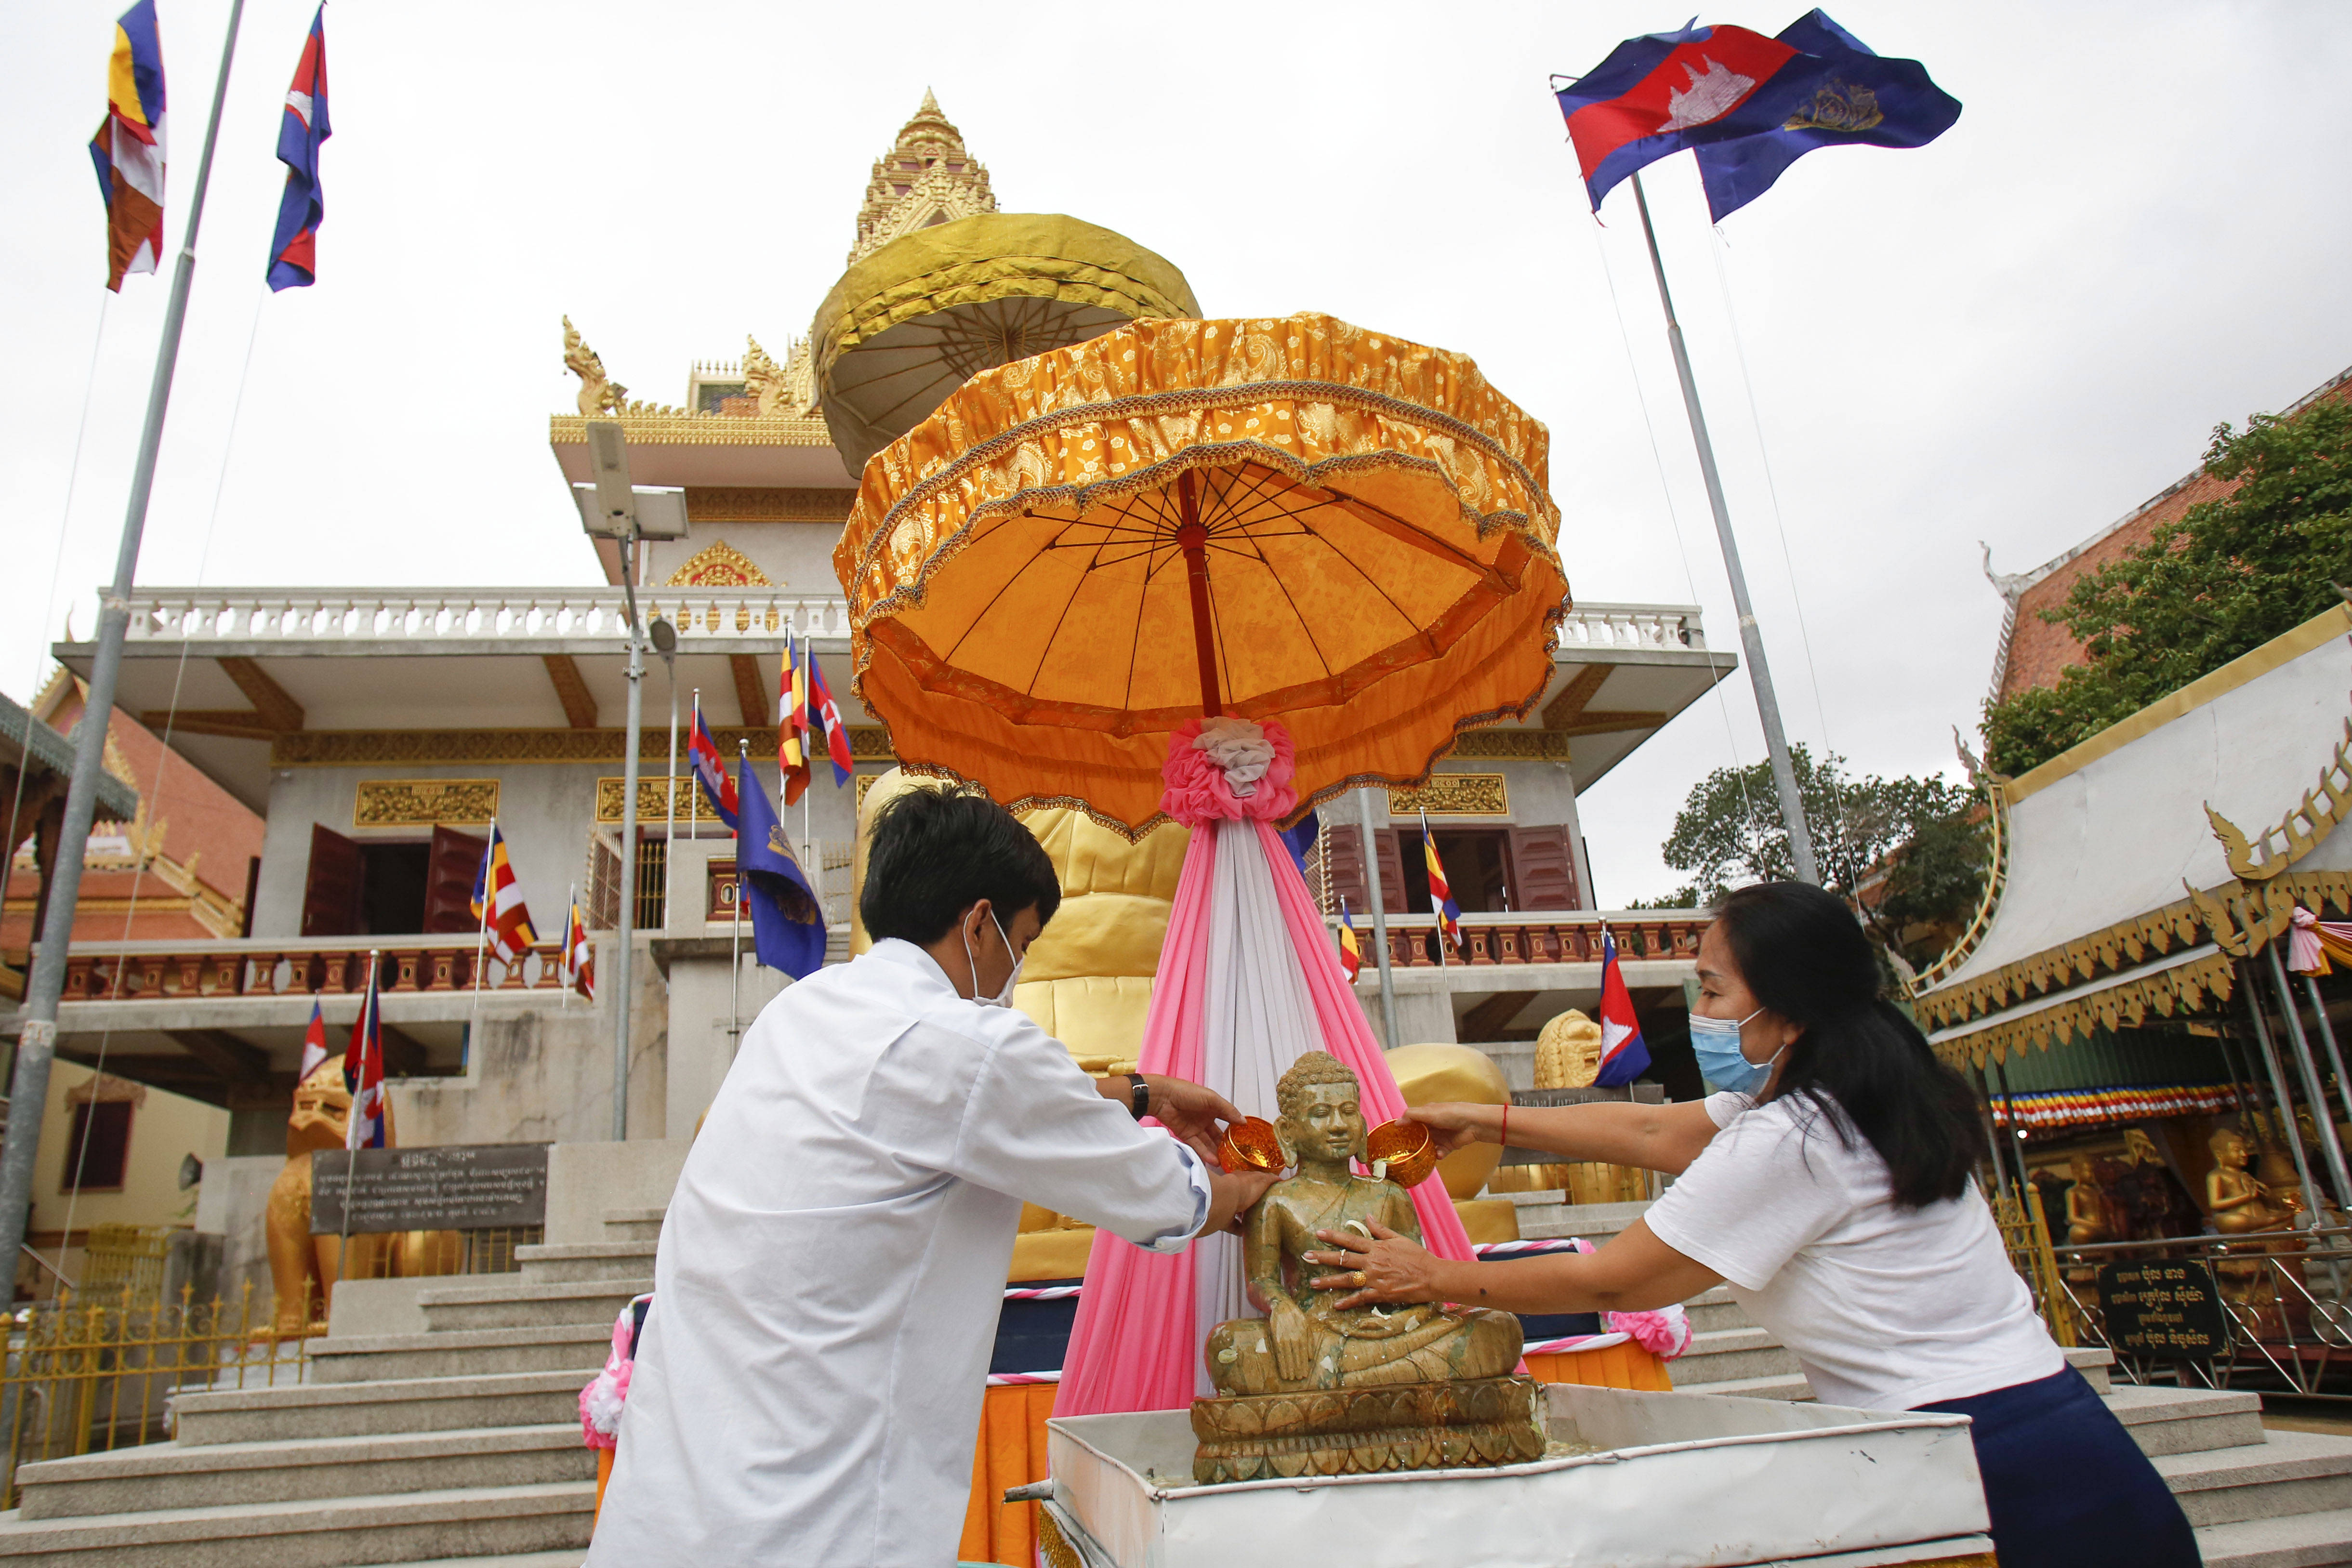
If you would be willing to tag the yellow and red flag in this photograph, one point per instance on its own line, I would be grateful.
(498, 905)
(1441, 897)
(792, 727)
(129, 147)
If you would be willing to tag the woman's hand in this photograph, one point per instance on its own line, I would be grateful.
(1191, 1112)
(1454, 1127)
(1384, 1268)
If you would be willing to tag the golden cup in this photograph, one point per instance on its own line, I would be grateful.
(1250, 1145)
(1407, 1147)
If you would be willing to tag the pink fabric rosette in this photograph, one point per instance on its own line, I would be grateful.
(1217, 770)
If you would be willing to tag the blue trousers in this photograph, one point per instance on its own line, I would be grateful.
(2066, 1486)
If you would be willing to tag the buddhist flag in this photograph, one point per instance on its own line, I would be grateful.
(293, 251)
(1351, 957)
(579, 956)
(498, 905)
(314, 1044)
(129, 147)
(1441, 897)
(363, 1073)
(791, 740)
(1623, 1056)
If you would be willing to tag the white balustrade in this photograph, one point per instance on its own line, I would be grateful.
(429, 615)
(1596, 626)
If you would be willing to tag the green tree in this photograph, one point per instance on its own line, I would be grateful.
(1905, 850)
(2228, 577)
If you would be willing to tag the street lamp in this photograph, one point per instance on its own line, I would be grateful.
(613, 508)
(663, 634)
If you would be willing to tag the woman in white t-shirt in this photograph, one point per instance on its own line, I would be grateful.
(1832, 1191)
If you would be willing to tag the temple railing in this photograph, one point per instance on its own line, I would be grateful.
(334, 966)
(1537, 936)
(428, 615)
(1599, 626)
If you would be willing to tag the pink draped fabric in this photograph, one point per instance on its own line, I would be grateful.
(1134, 1343)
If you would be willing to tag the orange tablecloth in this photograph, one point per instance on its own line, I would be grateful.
(1011, 1450)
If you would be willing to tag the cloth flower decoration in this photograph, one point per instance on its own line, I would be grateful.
(1664, 1333)
(1225, 769)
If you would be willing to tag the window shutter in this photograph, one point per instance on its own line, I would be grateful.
(1543, 870)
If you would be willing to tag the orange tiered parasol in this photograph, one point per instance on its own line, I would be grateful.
(1078, 552)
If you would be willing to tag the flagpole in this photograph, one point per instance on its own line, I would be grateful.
(735, 967)
(801, 690)
(564, 964)
(669, 785)
(1428, 846)
(1751, 638)
(633, 741)
(482, 935)
(352, 1133)
(694, 795)
(29, 1083)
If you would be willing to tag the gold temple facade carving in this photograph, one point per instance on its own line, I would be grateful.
(721, 565)
(1454, 795)
(424, 803)
(653, 799)
(766, 504)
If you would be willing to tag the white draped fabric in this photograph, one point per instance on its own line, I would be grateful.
(1259, 1020)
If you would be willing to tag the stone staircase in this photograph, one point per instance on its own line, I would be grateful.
(2258, 1499)
(457, 1446)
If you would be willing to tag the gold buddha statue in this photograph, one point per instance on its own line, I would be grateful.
(2088, 1220)
(2238, 1202)
(1305, 1342)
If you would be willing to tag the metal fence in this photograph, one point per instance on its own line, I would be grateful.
(2285, 1298)
(405, 1254)
(95, 1371)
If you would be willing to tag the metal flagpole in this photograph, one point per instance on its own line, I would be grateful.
(1380, 918)
(29, 1084)
(2322, 1121)
(2282, 1101)
(627, 932)
(2328, 1033)
(693, 789)
(1437, 913)
(482, 940)
(735, 964)
(1751, 639)
(564, 964)
(352, 1129)
(670, 783)
(801, 689)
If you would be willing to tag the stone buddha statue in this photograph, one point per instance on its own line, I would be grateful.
(1304, 1342)
(2236, 1201)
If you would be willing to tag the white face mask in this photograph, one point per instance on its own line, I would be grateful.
(1003, 999)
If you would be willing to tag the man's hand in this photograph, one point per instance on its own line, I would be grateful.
(1456, 1126)
(1232, 1196)
(1188, 1110)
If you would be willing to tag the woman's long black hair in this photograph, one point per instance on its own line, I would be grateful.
(1860, 1062)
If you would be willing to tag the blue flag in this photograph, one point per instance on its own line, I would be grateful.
(787, 923)
(1837, 94)
(294, 249)
(1299, 838)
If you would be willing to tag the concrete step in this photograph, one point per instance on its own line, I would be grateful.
(2293, 1472)
(1546, 1215)
(2096, 1363)
(591, 1260)
(413, 1527)
(634, 1224)
(1791, 1387)
(378, 1358)
(2290, 1540)
(363, 1409)
(1712, 1310)
(157, 1476)
(1727, 1354)
(520, 1304)
(2187, 1420)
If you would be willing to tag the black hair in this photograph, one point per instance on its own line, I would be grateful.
(1860, 1062)
(934, 854)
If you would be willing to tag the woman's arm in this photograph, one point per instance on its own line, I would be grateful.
(1652, 1137)
(1634, 1273)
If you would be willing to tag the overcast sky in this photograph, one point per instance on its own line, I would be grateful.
(2137, 229)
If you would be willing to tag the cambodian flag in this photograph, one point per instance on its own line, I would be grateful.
(363, 1073)
(129, 147)
(293, 251)
(1623, 1056)
(1656, 95)
(711, 767)
(314, 1044)
(823, 716)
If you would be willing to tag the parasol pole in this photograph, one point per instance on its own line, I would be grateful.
(1379, 917)
(1193, 538)
(1751, 639)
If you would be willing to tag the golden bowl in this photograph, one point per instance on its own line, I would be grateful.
(1408, 1149)
(1250, 1145)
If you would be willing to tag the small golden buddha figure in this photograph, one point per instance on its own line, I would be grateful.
(1304, 1342)
(2087, 1220)
(2237, 1202)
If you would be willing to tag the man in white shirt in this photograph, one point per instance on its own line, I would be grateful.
(809, 1382)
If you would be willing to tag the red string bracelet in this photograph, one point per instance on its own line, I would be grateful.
(1504, 1137)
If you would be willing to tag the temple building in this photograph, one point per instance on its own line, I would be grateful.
(373, 733)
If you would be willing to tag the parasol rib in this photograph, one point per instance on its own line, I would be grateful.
(1191, 536)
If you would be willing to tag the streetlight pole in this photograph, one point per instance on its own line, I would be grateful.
(1379, 917)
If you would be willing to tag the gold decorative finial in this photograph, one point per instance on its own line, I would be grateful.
(928, 177)
(599, 393)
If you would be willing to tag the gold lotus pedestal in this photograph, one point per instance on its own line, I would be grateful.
(1456, 1424)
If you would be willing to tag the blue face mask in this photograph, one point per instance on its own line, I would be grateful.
(1716, 1043)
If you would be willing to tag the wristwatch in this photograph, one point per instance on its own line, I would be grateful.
(1139, 1095)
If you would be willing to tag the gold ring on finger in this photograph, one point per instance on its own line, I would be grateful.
(1356, 1277)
